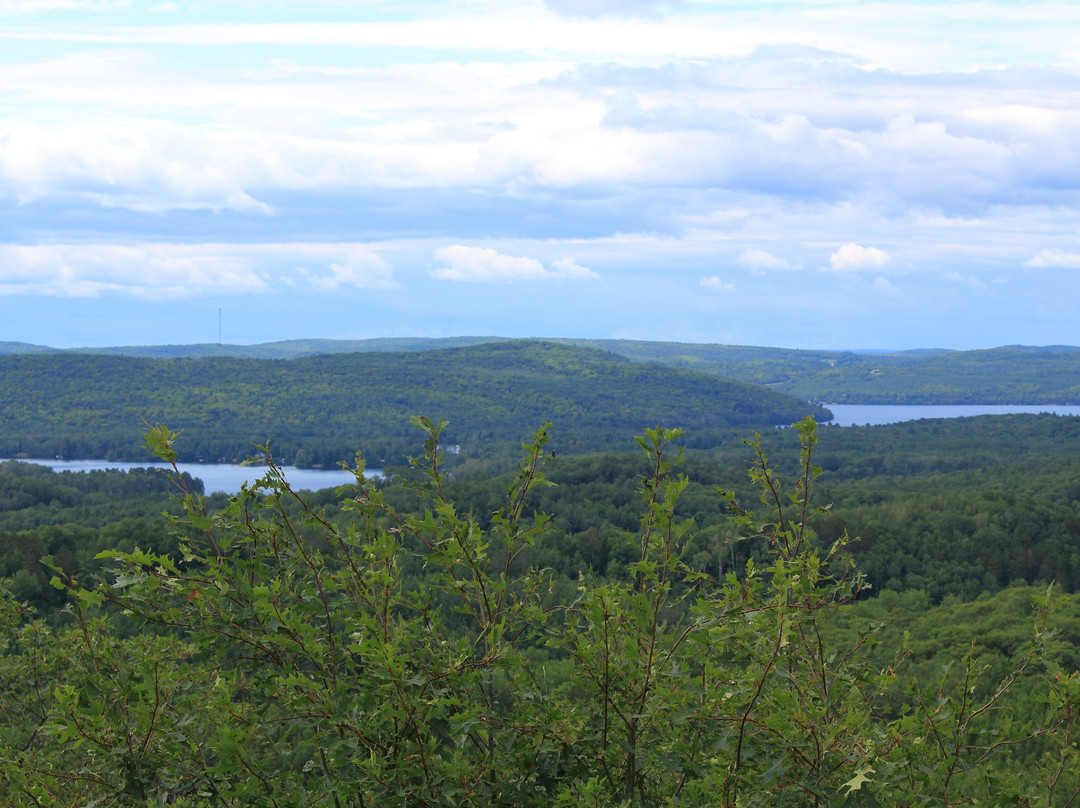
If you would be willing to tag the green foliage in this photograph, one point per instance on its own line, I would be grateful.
(32, 495)
(406, 652)
(1014, 374)
(89, 719)
(70, 517)
(320, 408)
(954, 508)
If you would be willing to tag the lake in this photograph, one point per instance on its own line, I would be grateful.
(219, 476)
(228, 479)
(873, 414)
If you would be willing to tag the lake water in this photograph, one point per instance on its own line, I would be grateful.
(872, 414)
(220, 476)
(228, 479)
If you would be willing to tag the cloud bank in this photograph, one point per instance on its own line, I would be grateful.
(611, 8)
(717, 283)
(760, 260)
(178, 271)
(853, 257)
(352, 160)
(1057, 259)
(483, 264)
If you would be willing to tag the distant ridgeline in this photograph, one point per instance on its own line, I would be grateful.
(318, 410)
(1014, 374)
(1009, 375)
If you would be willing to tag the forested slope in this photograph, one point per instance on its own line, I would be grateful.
(1013, 374)
(320, 410)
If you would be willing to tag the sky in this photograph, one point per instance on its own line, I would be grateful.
(795, 173)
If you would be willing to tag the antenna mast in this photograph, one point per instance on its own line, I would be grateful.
(219, 330)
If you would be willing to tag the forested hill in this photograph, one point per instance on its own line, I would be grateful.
(320, 410)
(1014, 374)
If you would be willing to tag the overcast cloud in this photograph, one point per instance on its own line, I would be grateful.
(542, 168)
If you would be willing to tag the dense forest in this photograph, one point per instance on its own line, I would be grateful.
(635, 628)
(1008, 375)
(723, 613)
(319, 410)
(953, 507)
(1015, 374)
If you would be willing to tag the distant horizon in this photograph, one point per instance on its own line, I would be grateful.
(896, 175)
(493, 337)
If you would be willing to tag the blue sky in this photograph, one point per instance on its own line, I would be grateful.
(802, 174)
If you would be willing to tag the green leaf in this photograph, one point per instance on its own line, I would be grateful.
(856, 782)
(90, 597)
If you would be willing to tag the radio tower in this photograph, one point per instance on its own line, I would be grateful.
(219, 330)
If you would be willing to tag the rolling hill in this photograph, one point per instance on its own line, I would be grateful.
(1013, 374)
(319, 410)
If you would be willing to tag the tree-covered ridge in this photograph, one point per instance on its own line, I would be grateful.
(1008, 375)
(7, 347)
(1015, 374)
(984, 443)
(71, 516)
(32, 495)
(321, 409)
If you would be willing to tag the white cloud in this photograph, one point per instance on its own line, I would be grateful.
(760, 260)
(116, 127)
(152, 271)
(485, 264)
(171, 271)
(567, 268)
(713, 282)
(734, 219)
(361, 268)
(1059, 259)
(610, 8)
(920, 36)
(971, 282)
(627, 143)
(509, 31)
(852, 257)
(152, 169)
(20, 7)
